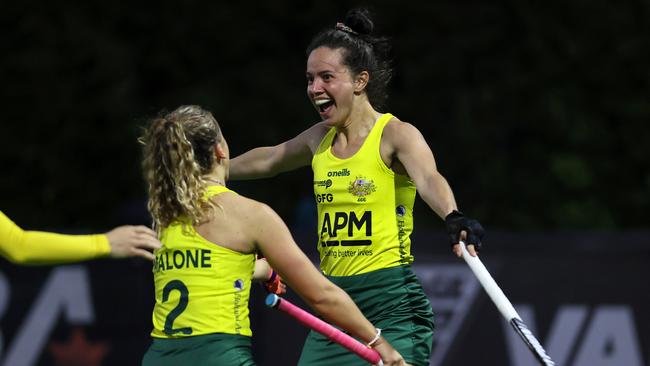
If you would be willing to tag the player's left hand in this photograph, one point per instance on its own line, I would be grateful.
(463, 228)
(274, 284)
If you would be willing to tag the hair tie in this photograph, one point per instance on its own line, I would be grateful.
(342, 27)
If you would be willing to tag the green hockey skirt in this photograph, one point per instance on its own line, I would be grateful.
(393, 300)
(205, 350)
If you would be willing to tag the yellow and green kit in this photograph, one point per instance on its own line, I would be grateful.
(365, 219)
(202, 291)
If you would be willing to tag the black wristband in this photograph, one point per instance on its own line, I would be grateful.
(456, 222)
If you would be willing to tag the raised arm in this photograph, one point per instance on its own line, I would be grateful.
(269, 161)
(274, 240)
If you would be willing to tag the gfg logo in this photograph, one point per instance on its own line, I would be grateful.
(324, 197)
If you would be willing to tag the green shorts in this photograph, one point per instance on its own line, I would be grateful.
(210, 349)
(393, 300)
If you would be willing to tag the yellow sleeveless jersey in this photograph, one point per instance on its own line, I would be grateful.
(201, 287)
(365, 210)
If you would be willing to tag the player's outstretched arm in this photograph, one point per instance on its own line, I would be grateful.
(38, 247)
(269, 161)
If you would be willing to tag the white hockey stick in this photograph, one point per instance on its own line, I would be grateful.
(505, 307)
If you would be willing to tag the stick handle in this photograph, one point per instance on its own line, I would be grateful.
(324, 328)
(490, 286)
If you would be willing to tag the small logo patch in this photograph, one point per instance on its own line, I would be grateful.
(239, 284)
(361, 187)
(323, 183)
(339, 173)
(400, 210)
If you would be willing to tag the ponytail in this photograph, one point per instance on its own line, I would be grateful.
(178, 152)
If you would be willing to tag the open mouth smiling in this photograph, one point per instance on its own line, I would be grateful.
(323, 105)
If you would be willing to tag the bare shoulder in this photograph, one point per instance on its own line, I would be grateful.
(314, 134)
(237, 203)
(245, 209)
(320, 127)
(315, 130)
(397, 131)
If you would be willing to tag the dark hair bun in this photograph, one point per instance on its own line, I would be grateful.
(359, 20)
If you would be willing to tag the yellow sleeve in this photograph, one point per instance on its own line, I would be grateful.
(37, 247)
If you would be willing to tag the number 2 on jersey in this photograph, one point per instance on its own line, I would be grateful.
(182, 304)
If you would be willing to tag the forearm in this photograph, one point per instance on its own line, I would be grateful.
(35, 247)
(325, 298)
(253, 164)
(437, 193)
(337, 307)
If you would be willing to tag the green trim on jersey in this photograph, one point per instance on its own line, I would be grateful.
(201, 287)
(365, 210)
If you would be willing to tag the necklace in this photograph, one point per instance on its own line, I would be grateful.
(217, 181)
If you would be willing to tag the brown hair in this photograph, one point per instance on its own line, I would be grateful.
(362, 50)
(178, 152)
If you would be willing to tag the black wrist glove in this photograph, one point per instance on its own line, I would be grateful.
(457, 222)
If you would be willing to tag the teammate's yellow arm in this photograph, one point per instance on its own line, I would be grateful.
(37, 247)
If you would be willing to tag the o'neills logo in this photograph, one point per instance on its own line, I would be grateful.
(339, 173)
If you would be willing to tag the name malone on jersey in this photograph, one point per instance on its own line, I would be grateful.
(177, 259)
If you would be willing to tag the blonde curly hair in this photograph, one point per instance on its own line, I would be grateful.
(178, 153)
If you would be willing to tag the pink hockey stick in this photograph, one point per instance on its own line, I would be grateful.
(324, 328)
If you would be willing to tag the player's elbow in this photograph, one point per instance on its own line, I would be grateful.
(324, 299)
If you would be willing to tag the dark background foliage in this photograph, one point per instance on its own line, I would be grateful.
(537, 112)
